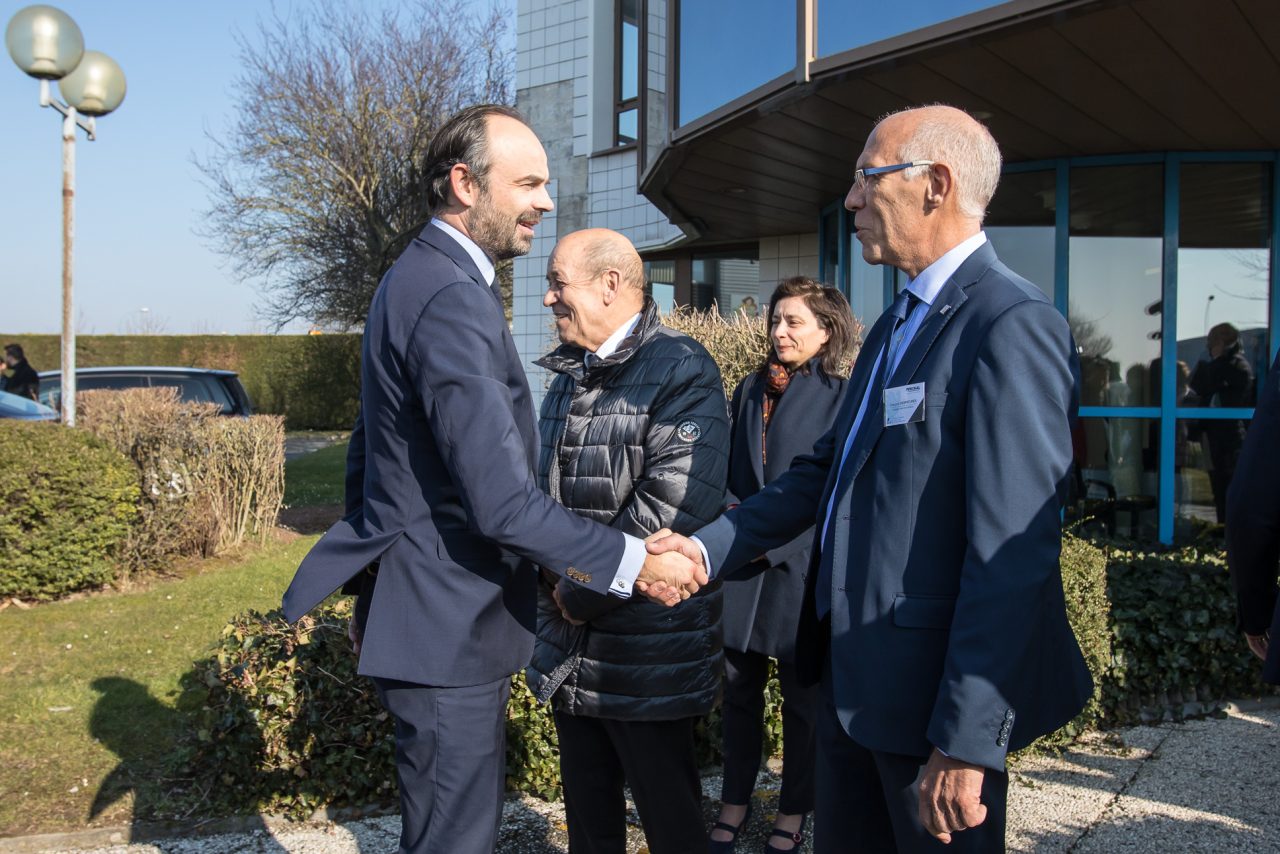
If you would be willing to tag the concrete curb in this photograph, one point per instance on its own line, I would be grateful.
(100, 837)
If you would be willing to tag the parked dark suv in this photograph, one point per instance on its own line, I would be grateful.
(201, 385)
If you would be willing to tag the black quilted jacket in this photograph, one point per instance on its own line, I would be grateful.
(639, 441)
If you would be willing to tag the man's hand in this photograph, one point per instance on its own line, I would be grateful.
(354, 635)
(675, 550)
(670, 577)
(564, 612)
(950, 792)
(1258, 644)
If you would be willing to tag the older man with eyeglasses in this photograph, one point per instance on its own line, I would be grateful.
(934, 616)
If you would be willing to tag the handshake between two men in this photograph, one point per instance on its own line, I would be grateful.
(673, 570)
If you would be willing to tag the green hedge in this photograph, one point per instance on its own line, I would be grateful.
(281, 721)
(1177, 649)
(312, 380)
(67, 503)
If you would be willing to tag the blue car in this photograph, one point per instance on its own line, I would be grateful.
(24, 408)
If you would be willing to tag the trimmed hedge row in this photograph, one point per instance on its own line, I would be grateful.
(1177, 649)
(281, 721)
(312, 380)
(67, 506)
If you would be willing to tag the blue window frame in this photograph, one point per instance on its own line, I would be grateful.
(1161, 415)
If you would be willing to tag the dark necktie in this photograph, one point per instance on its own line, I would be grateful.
(899, 310)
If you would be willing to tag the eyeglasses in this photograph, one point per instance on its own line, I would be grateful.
(860, 176)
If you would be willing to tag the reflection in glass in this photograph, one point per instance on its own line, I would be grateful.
(1020, 225)
(1115, 258)
(728, 283)
(1224, 272)
(1115, 482)
(761, 33)
(660, 278)
(843, 25)
(866, 285)
(1204, 463)
(830, 224)
(629, 51)
(627, 127)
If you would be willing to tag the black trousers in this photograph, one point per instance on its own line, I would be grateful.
(868, 800)
(655, 758)
(743, 731)
(450, 763)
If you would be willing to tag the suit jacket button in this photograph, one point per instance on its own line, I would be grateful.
(1008, 715)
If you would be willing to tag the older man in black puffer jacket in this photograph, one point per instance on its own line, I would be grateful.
(635, 434)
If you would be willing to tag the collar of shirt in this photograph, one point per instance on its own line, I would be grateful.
(611, 343)
(931, 279)
(483, 264)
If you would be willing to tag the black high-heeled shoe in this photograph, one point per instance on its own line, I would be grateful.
(717, 846)
(797, 838)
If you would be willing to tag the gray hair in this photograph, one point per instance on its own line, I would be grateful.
(600, 254)
(964, 144)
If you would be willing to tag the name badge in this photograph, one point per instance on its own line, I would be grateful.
(904, 405)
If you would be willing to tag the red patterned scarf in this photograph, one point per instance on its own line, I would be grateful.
(777, 378)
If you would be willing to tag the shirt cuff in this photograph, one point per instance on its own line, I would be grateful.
(633, 555)
(706, 559)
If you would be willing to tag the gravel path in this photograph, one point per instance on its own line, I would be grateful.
(1201, 786)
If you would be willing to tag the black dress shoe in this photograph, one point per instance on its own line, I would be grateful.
(716, 846)
(797, 838)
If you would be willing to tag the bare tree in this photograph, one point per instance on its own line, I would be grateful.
(318, 186)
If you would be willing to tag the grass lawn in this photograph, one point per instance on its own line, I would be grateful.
(88, 685)
(316, 478)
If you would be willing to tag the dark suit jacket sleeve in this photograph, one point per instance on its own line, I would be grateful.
(1253, 514)
(353, 485)
(776, 514)
(682, 484)
(353, 493)
(1017, 457)
(458, 362)
(735, 412)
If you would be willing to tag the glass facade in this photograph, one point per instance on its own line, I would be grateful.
(1020, 225)
(1164, 267)
(723, 56)
(627, 76)
(845, 25)
(729, 283)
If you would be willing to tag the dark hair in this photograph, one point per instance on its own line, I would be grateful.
(832, 312)
(14, 350)
(464, 138)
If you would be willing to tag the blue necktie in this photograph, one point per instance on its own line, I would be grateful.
(899, 310)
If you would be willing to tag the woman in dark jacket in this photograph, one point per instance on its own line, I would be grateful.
(778, 413)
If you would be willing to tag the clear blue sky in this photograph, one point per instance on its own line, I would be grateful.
(139, 197)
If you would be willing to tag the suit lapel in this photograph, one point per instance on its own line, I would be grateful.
(858, 381)
(948, 302)
(436, 238)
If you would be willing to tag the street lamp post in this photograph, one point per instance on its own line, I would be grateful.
(47, 45)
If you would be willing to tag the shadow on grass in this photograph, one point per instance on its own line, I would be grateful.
(114, 722)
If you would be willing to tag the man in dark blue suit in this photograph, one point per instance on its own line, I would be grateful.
(445, 520)
(934, 616)
(1253, 529)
